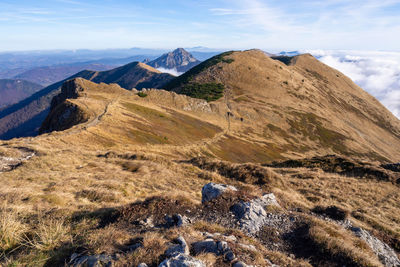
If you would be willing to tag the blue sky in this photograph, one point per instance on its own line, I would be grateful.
(272, 25)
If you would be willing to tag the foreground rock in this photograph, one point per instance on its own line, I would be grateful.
(182, 260)
(180, 247)
(90, 261)
(386, 254)
(211, 191)
(252, 215)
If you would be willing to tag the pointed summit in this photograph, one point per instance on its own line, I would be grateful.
(179, 59)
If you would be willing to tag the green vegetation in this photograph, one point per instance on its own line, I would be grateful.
(188, 76)
(284, 59)
(141, 94)
(207, 91)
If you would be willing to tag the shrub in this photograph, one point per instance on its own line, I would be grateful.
(207, 91)
(189, 75)
(142, 94)
(332, 212)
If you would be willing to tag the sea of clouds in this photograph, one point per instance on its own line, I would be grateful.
(170, 71)
(376, 72)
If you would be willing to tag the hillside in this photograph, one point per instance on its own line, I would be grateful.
(125, 177)
(179, 60)
(300, 108)
(13, 91)
(24, 118)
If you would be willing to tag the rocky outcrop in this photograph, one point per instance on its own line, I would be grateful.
(63, 113)
(182, 260)
(70, 89)
(385, 253)
(211, 191)
(252, 215)
(179, 247)
(10, 163)
(90, 261)
(176, 220)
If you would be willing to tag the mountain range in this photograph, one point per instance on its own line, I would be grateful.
(246, 159)
(13, 91)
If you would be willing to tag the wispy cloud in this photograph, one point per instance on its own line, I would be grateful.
(170, 71)
(376, 72)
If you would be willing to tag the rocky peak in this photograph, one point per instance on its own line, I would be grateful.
(70, 89)
(179, 59)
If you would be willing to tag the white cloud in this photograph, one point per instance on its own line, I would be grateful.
(376, 72)
(170, 71)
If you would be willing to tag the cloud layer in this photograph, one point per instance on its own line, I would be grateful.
(376, 72)
(170, 71)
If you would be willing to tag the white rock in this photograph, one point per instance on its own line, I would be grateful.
(211, 191)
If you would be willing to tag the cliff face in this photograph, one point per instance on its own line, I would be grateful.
(63, 113)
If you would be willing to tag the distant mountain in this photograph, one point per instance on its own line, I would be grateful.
(24, 118)
(289, 53)
(51, 74)
(179, 60)
(13, 91)
(33, 59)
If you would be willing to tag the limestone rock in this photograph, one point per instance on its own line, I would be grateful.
(176, 220)
(252, 215)
(385, 253)
(212, 190)
(181, 260)
(90, 261)
(180, 247)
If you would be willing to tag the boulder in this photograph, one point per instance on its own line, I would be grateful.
(211, 191)
(252, 215)
(90, 261)
(182, 260)
(216, 247)
(242, 264)
(179, 247)
(176, 220)
(205, 246)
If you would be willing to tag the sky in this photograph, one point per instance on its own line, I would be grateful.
(272, 25)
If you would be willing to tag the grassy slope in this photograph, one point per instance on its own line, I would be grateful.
(139, 148)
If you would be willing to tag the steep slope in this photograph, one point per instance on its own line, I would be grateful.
(25, 117)
(179, 60)
(292, 109)
(13, 91)
(118, 175)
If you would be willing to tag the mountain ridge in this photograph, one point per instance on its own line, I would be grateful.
(33, 110)
(289, 165)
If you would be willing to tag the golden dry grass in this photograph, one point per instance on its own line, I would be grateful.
(152, 138)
